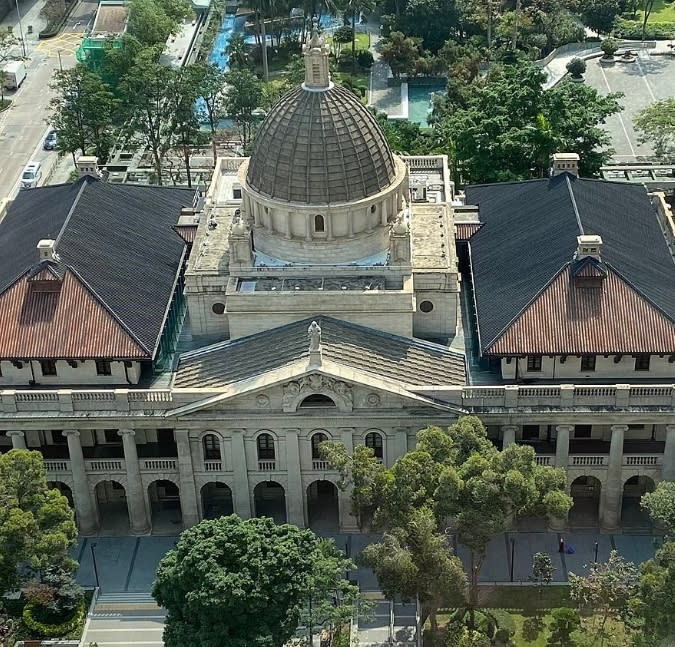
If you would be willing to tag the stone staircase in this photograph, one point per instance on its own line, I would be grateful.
(126, 601)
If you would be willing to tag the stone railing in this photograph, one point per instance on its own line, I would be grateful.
(213, 466)
(267, 466)
(599, 460)
(545, 460)
(68, 400)
(57, 466)
(320, 466)
(158, 464)
(642, 460)
(107, 466)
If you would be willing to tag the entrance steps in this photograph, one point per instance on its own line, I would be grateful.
(125, 601)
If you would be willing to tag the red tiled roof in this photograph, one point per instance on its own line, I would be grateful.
(565, 319)
(69, 322)
(186, 232)
(466, 229)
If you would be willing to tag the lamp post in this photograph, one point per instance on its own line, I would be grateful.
(23, 42)
(93, 560)
(513, 550)
(595, 549)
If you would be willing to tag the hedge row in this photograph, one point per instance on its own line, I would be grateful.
(632, 30)
(44, 630)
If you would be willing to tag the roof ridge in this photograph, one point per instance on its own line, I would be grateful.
(85, 182)
(574, 203)
(524, 309)
(107, 308)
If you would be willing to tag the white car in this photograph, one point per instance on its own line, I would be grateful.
(32, 172)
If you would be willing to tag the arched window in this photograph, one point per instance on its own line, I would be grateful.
(265, 447)
(319, 223)
(211, 445)
(317, 400)
(317, 439)
(374, 441)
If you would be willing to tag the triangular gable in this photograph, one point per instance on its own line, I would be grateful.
(293, 372)
(69, 323)
(565, 319)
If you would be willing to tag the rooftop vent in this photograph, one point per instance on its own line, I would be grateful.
(565, 163)
(588, 245)
(46, 249)
(88, 165)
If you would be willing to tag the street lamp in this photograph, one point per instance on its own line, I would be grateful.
(596, 552)
(23, 42)
(513, 550)
(93, 560)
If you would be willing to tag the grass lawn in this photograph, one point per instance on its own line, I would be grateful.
(525, 597)
(362, 41)
(662, 12)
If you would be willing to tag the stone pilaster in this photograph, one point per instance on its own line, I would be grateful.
(612, 491)
(668, 473)
(396, 445)
(241, 495)
(295, 496)
(138, 513)
(85, 512)
(508, 435)
(562, 446)
(18, 439)
(186, 475)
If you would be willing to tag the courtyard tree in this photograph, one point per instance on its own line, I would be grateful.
(564, 622)
(243, 583)
(576, 67)
(656, 125)
(211, 109)
(83, 112)
(542, 570)
(415, 561)
(8, 44)
(149, 23)
(400, 52)
(647, 8)
(608, 588)
(243, 97)
(341, 36)
(599, 15)
(37, 527)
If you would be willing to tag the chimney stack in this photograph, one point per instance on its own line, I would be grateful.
(588, 245)
(45, 249)
(565, 163)
(88, 165)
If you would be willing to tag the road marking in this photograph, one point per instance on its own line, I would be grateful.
(623, 125)
(644, 78)
(15, 188)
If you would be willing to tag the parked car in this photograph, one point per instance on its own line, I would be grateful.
(49, 143)
(32, 172)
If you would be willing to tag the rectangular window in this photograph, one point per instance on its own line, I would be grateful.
(530, 432)
(112, 437)
(642, 363)
(236, 194)
(165, 436)
(534, 363)
(582, 431)
(48, 366)
(58, 438)
(103, 367)
(588, 362)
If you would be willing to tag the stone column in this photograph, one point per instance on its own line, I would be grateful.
(329, 226)
(18, 439)
(138, 513)
(508, 435)
(612, 490)
(84, 507)
(308, 227)
(562, 445)
(347, 521)
(189, 505)
(350, 225)
(287, 233)
(369, 224)
(668, 470)
(384, 215)
(295, 496)
(241, 495)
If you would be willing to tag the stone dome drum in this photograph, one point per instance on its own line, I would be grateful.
(320, 147)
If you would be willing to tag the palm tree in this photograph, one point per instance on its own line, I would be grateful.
(237, 56)
(355, 8)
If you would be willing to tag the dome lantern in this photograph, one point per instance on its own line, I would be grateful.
(316, 52)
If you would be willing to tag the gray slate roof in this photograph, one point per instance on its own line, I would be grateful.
(319, 147)
(530, 231)
(411, 362)
(118, 238)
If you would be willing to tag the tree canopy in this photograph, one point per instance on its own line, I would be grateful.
(656, 125)
(37, 526)
(660, 505)
(243, 583)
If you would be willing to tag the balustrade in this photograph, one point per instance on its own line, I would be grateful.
(267, 466)
(159, 465)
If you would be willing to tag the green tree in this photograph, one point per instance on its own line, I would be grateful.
(400, 52)
(542, 569)
(82, 112)
(599, 15)
(341, 35)
(242, 97)
(564, 622)
(237, 52)
(414, 561)
(353, 9)
(150, 23)
(608, 588)
(212, 92)
(8, 44)
(576, 67)
(656, 125)
(647, 7)
(242, 583)
(434, 21)
(37, 527)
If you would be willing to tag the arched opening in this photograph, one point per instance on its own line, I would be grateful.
(585, 492)
(113, 513)
(373, 440)
(316, 400)
(319, 224)
(211, 447)
(165, 511)
(632, 515)
(216, 500)
(269, 500)
(265, 444)
(317, 438)
(64, 489)
(322, 507)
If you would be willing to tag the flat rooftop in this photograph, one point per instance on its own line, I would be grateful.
(111, 18)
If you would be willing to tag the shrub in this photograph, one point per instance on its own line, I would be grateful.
(576, 67)
(609, 46)
(44, 630)
(343, 34)
(364, 58)
(632, 30)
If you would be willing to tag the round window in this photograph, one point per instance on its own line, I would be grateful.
(426, 306)
(218, 308)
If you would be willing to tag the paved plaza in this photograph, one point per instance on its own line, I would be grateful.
(647, 80)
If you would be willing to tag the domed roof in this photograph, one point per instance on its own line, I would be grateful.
(320, 146)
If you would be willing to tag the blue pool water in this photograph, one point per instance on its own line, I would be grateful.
(420, 101)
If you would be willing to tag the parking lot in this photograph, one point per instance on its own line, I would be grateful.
(647, 80)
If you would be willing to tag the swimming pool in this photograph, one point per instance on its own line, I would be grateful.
(420, 101)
